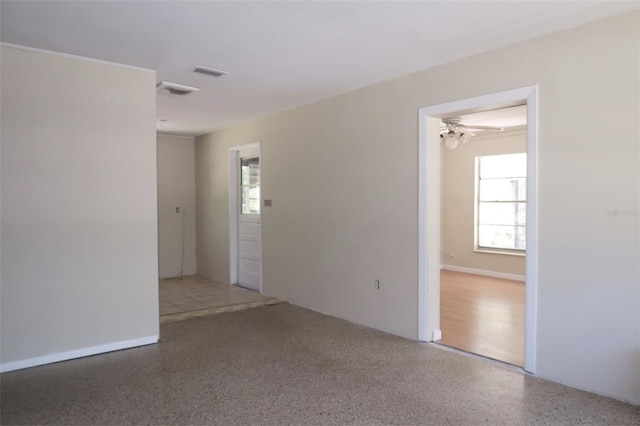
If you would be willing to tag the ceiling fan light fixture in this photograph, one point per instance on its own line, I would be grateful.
(453, 134)
(451, 140)
(464, 136)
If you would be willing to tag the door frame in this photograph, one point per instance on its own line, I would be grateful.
(234, 184)
(429, 210)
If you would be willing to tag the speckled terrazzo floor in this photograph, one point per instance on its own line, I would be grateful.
(282, 364)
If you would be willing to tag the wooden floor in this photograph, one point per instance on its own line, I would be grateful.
(483, 315)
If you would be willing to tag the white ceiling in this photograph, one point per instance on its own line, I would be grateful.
(280, 54)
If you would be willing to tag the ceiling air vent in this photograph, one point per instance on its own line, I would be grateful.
(209, 71)
(175, 88)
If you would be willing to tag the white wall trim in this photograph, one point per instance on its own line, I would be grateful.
(79, 353)
(423, 299)
(233, 209)
(233, 216)
(485, 273)
(428, 144)
(69, 55)
(429, 246)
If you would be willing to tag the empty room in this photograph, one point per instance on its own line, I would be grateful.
(283, 212)
(483, 236)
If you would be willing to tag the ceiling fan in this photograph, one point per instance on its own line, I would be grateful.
(453, 132)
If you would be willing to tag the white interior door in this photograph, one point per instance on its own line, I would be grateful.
(249, 229)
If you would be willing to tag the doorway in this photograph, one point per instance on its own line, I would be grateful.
(429, 247)
(483, 233)
(245, 232)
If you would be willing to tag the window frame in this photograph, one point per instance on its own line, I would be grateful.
(477, 202)
(249, 186)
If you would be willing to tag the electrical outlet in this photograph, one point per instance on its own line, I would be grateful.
(376, 284)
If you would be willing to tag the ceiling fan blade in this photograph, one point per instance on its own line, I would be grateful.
(495, 128)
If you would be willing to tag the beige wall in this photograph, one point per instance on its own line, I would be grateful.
(342, 174)
(212, 210)
(176, 188)
(458, 203)
(79, 208)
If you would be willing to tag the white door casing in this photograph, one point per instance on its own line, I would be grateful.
(245, 248)
(429, 211)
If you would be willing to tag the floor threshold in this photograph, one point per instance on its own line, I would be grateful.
(496, 361)
(218, 310)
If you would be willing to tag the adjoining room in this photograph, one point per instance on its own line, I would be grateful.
(182, 293)
(483, 237)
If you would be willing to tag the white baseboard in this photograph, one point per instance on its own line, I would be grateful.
(79, 353)
(493, 274)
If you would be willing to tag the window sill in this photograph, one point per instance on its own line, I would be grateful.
(508, 253)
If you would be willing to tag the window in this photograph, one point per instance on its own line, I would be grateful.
(250, 185)
(501, 198)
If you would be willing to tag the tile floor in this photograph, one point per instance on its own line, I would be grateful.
(197, 294)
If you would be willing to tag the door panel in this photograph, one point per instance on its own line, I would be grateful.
(249, 219)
